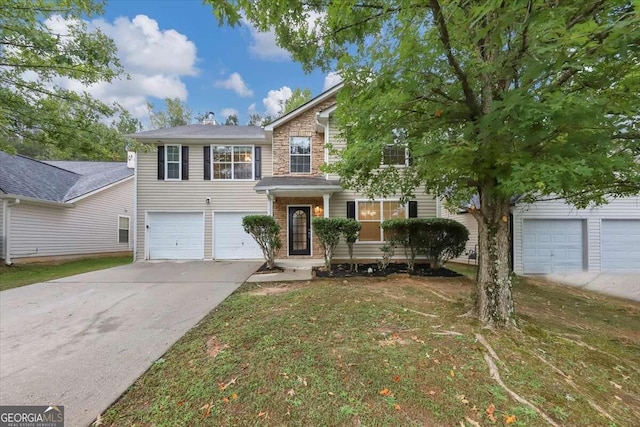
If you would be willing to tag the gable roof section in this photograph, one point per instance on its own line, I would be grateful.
(57, 181)
(304, 107)
(200, 131)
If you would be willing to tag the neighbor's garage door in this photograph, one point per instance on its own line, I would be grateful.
(552, 246)
(175, 235)
(230, 240)
(620, 245)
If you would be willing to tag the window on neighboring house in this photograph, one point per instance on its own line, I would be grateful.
(173, 162)
(394, 155)
(232, 162)
(123, 229)
(371, 214)
(300, 151)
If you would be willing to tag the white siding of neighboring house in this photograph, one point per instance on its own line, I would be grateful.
(91, 226)
(623, 208)
(2, 237)
(472, 225)
(191, 195)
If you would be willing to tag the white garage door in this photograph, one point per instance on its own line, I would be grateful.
(175, 235)
(230, 240)
(552, 246)
(620, 245)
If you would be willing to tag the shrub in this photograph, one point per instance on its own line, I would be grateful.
(266, 232)
(388, 250)
(328, 231)
(349, 230)
(439, 239)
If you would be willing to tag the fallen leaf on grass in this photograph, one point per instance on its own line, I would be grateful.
(207, 409)
(98, 421)
(509, 419)
(618, 386)
(462, 398)
(397, 407)
(490, 412)
(225, 399)
(432, 393)
(302, 381)
(234, 396)
(416, 339)
(385, 392)
(262, 414)
(223, 386)
(452, 374)
(214, 347)
(396, 379)
(291, 392)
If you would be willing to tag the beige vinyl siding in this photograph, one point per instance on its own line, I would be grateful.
(622, 208)
(472, 225)
(371, 250)
(91, 226)
(337, 143)
(231, 196)
(2, 236)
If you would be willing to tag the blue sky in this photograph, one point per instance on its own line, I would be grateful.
(174, 48)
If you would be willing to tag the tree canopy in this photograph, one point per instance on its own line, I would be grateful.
(526, 98)
(297, 98)
(43, 45)
(175, 113)
(232, 120)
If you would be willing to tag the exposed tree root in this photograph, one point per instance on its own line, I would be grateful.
(473, 423)
(486, 345)
(439, 295)
(419, 312)
(467, 314)
(448, 333)
(493, 370)
(579, 343)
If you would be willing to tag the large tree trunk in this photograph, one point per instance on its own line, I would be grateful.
(494, 302)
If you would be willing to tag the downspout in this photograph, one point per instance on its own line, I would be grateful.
(438, 206)
(326, 141)
(135, 207)
(7, 229)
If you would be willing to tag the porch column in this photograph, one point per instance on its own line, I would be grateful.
(269, 204)
(326, 197)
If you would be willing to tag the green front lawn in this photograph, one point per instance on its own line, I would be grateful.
(394, 352)
(18, 275)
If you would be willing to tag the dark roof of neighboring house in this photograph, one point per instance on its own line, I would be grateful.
(57, 181)
(200, 131)
(294, 181)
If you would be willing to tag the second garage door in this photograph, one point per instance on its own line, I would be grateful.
(620, 245)
(230, 240)
(552, 246)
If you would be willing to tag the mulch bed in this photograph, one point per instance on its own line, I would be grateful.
(373, 270)
(264, 270)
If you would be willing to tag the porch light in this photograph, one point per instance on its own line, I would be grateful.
(317, 210)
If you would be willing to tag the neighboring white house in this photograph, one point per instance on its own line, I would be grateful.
(55, 209)
(553, 237)
(470, 254)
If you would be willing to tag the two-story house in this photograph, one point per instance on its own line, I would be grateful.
(197, 182)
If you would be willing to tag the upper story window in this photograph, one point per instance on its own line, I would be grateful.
(300, 154)
(173, 162)
(394, 155)
(370, 214)
(232, 162)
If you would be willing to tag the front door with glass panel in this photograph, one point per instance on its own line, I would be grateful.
(299, 230)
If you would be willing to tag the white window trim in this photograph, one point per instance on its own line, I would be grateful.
(253, 162)
(395, 165)
(128, 230)
(166, 162)
(300, 155)
(377, 242)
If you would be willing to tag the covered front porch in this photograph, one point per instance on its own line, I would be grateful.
(293, 202)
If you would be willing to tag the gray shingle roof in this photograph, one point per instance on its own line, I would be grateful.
(291, 181)
(202, 132)
(57, 181)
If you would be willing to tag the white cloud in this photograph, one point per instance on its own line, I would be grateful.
(331, 79)
(252, 108)
(274, 102)
(226, 112)
(236, 84)
(155, 60)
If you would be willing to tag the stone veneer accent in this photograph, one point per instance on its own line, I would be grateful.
(280, 213)
(302, 125)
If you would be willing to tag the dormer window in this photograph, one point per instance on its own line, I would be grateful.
(300, 154)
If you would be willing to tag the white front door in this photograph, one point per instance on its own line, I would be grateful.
(620, 243)
(552, 246)
(175, 235)
(230, 241)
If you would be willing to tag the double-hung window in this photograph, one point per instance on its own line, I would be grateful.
(394, 155)
(300, 154)
(370, 214)
(123, 229)
(232, 162)
(173, 162)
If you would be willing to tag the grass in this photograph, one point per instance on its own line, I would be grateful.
(18, 275)
(394, 351)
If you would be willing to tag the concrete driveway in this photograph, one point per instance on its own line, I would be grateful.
(82, 340)
(623, 285)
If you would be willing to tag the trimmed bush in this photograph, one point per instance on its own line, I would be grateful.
(350, 230)
(266, 232)
(439, 239)
(328, 231)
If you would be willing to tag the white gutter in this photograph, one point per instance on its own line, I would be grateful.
(7, 229)
(39, 201)
(299, 187)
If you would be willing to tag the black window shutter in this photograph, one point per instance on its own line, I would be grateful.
(258, 162)
(409, 157)
(161, 162)
(207, 163)
(351, 210)
(413, 209)
(185, 163)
